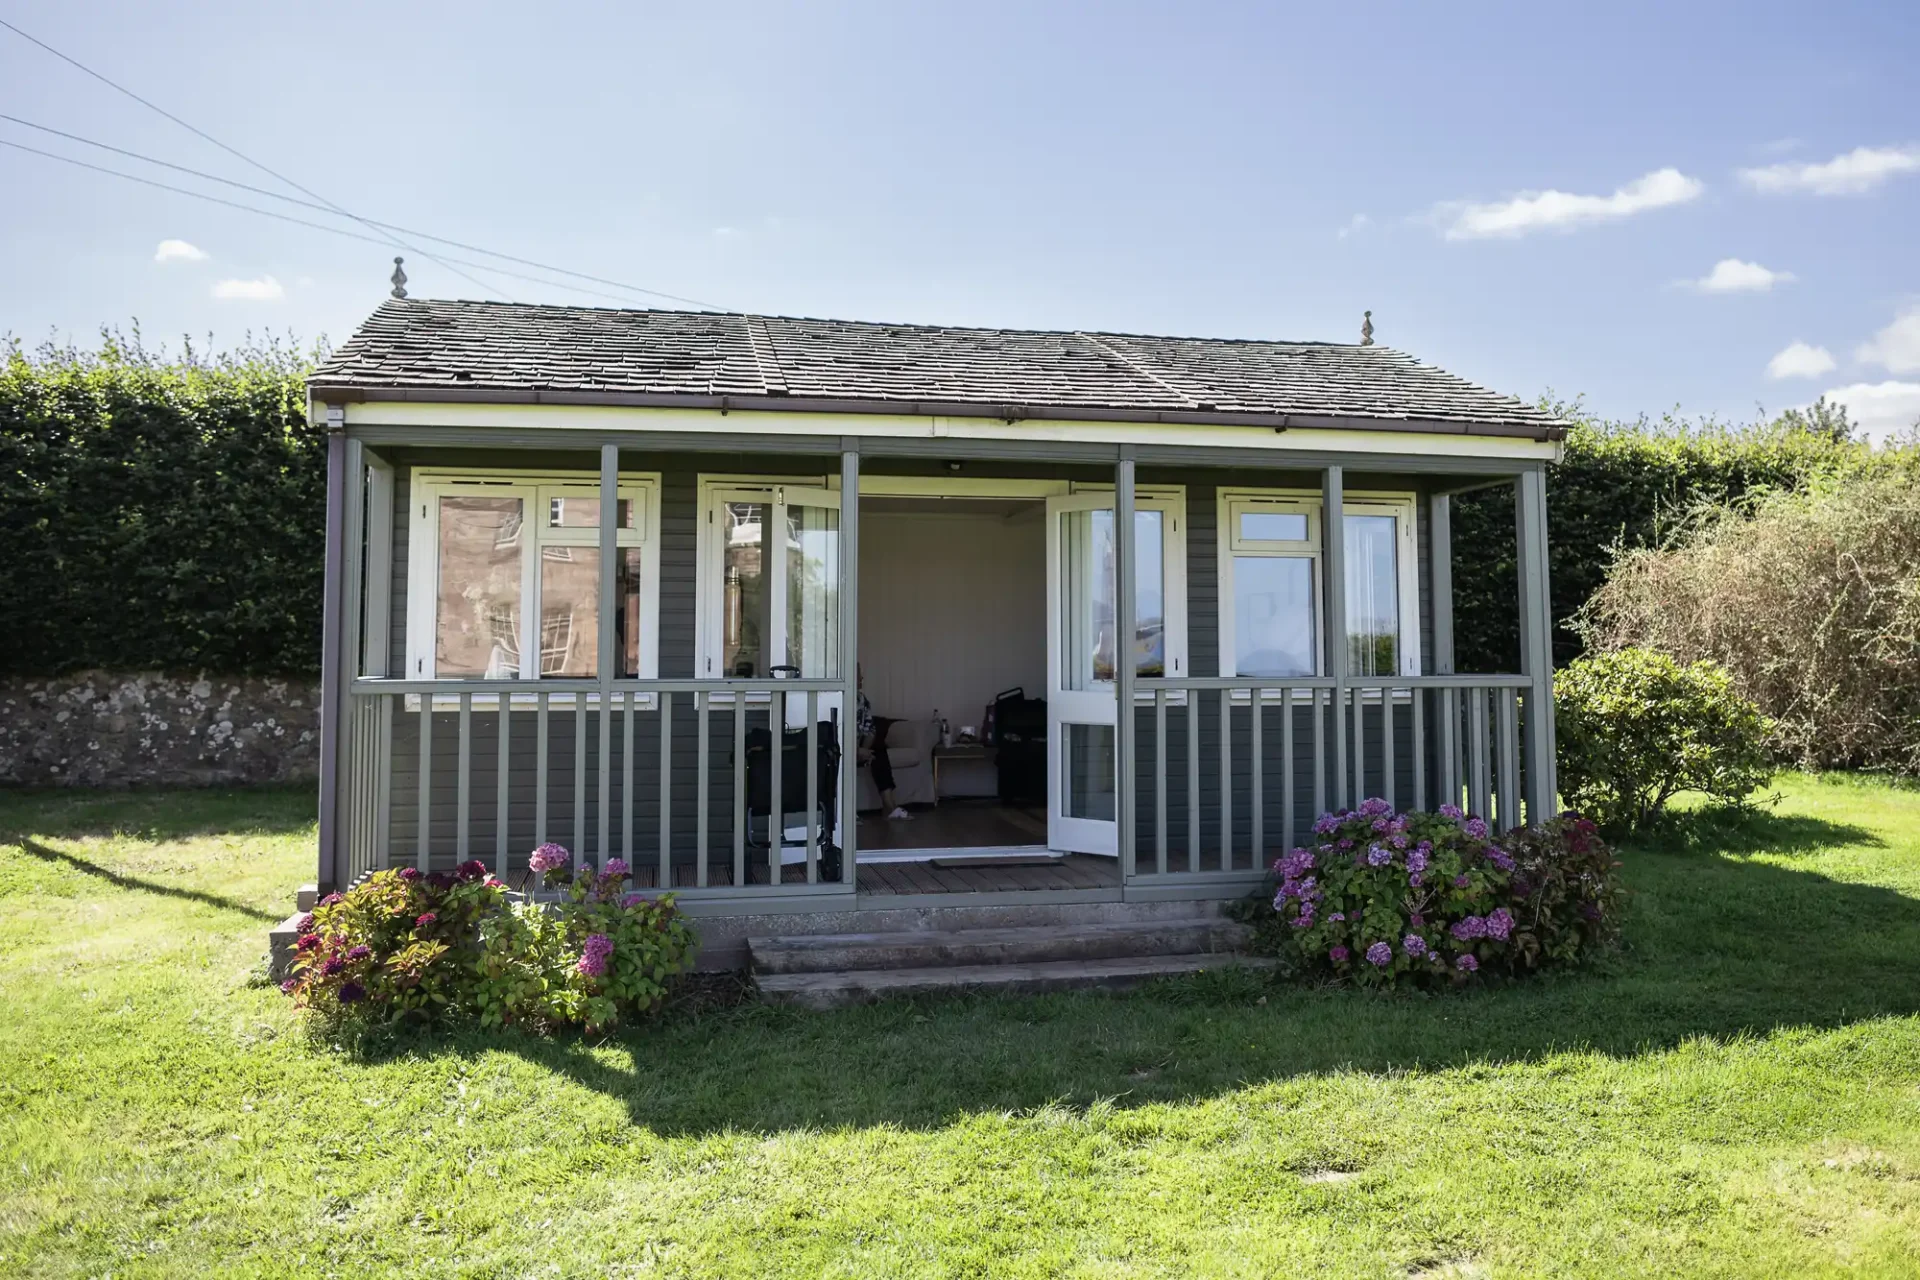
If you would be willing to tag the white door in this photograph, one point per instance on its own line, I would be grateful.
(805, 630)
(1083, 781)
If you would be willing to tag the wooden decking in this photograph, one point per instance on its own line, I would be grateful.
(1071, 871)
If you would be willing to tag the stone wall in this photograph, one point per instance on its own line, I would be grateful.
(98, 729)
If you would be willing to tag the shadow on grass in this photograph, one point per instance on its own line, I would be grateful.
(156, 813)
(1749, 830)
(121, 881)
(1717, 949)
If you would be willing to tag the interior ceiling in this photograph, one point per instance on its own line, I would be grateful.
(1004, 508)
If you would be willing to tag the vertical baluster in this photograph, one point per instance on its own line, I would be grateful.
(1319, 755)
(1257, 809)
(423, 855)
(777, 766)
(1479, 798)
(812, 798)
(383, 803)
(502, 780)
(701, 705)
(1226, 779)
(1193, 779)
(461, 822)
(540, 752)
(1449, 746)
(665, 880)
(1419, 748)
(1509, 768)
(1389, 749)
(626, 777)
(1160, 780)
(580, 782)
(1286, 768)
(1358, 735)
(739, 787)
(604, 782)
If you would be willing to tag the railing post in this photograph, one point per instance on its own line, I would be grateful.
(1125, 608)
(848, 824)
(334, 734)
(609, 657)
(1333, 557)
(1536, 641)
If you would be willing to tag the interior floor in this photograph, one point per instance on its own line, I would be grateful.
(955, 823)
(963, 875)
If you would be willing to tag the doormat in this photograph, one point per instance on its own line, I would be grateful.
(1024, 860)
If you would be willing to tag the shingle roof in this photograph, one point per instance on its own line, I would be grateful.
(430, 349)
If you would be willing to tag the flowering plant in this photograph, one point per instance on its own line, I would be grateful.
(1383, 897)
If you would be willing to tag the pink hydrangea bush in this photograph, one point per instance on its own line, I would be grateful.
(1383, 898)
(406, 945)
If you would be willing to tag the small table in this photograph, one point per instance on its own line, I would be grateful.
(957, 754)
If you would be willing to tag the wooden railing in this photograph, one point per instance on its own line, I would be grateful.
(653, 772)
(1230, 771)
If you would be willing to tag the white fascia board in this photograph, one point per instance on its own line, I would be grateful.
(559, 417)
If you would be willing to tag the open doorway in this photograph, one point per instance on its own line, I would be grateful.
(953, 614)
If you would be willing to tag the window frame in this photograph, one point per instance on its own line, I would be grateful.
(1404, 506)
(1170, 500)
(534, 489)
(715, 491)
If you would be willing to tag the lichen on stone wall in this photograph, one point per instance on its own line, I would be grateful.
(105, 729)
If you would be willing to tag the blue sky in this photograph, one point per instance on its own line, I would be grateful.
(1649, 205)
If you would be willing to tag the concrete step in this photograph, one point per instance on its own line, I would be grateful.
(1020, 944)
(858, 986)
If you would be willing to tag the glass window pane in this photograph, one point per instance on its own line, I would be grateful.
(1273, 611)
(813, 591)
(569, 512)
(1373, 595)
(1087, 598)
(477, 600)
(1149, 594)
(744, 620)
(1089, 764)
(627, 625)
(1273, 526)
(570, 611)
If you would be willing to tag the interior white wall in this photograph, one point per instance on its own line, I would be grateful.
(952, 609)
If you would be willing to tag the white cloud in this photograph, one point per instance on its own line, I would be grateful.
(1800, 361)
(1730, 275)
(1880, 409)
(1550, 210)
(178, 251)
(1896, 347)
(1859, 170)
(1357, 223)
(265, 289)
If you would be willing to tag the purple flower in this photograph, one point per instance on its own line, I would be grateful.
(425, 921)
(409, 873)
(333, 965)
(1415, 880)
(1374, 807)
(1500, 858)
(1295, 864)
(1304, 920)
(1379, 826)
(1378, 855)
(289, 986)
(1465, 962)
(332, 900)
(1451, 811)
(1416, 919)
(1499, 924)
(360, 952)
(1379, 953)
(470, 870)
(548, 857)
(618, 868)
(1338, 955)
(307, 942)
(352, 993)
(594, 953)
(304, 924)
(1469, 928)
(1337, 917)
(1461, 881)
(1414, 945)
(633, 900)
(1346, 842)
(1416, 860)
(1326, 824)
(1475, 827)
(1398, 840)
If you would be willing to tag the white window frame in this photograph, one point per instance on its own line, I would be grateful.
(1308, 502)
(1171, 501)
(534, 489)
(715, 491)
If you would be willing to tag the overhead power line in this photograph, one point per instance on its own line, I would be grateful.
(241, 155)
(308, 204)
(317, 226)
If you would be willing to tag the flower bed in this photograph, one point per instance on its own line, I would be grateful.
(406, 944)
(1384, 898)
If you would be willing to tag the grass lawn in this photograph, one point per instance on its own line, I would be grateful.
(1738, 1093)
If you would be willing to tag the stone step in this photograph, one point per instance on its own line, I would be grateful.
(859, 986)
(1020, 944)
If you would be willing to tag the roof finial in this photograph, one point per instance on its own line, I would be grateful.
(399, 278)
(1366, 327)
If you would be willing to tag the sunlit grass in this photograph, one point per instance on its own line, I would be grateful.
(1736, 1093)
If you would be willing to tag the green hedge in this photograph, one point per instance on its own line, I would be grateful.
(159, 512)
(1619, 485)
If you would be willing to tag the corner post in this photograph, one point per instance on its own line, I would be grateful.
(333, 650)
(849, 584)
(1536, 641)
(609, 656)
(1124, 628)
(1440, 579)
(1333, 588)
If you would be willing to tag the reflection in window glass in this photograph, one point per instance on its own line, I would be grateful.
(1089, 765)
(1273, 526)
(745, 624)
(477, 600)
(1087, 598)
(1273, 616)
(570, 611)
(584, 513)
(813, 591)
(1373, 595)
(1149, 595)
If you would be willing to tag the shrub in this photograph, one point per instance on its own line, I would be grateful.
(402, 944)
(1811, 601)
(1636, 728)
(1385, 898)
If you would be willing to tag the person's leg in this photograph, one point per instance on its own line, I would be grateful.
(883, 771)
